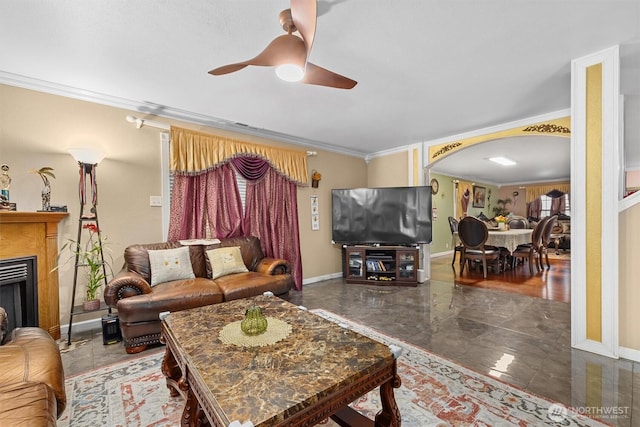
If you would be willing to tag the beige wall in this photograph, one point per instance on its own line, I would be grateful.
(518, 204)
(629, 292)
(319, 256)
(37, 129)
(388, 171)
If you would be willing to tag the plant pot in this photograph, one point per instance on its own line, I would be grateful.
(502, 226)
(91, 305)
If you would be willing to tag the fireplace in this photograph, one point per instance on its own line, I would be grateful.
(25, 234)
(19, 291)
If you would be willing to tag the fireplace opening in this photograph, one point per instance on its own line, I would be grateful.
(19, 292)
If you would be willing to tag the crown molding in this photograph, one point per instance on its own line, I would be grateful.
(157, 110)
(395, 150)
(501, 127)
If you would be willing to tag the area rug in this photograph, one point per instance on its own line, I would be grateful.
(434, 392)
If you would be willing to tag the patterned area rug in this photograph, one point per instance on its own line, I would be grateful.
(434, 392)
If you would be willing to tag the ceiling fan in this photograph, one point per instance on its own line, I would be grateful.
(289, 53)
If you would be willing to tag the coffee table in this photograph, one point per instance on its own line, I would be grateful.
(311, 374)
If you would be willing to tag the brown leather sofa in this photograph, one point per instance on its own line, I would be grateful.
(139, 304)
(32, 390)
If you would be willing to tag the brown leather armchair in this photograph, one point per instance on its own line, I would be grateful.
(32, 389)
(139, 304)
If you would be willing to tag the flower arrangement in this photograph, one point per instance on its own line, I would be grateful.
(90, 255)
(501, 218)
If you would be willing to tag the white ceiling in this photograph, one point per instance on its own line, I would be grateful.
(538, 159)
(426, 69)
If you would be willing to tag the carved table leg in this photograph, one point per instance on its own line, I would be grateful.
(190, 413)
(389, 416)
(193, 415)
(172, 372)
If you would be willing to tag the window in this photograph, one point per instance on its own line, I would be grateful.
(545, 202)
(242, 188)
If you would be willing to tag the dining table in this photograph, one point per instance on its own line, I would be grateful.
(509, 239)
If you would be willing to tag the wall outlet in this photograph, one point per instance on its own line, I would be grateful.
(446, 245)
(155, 200)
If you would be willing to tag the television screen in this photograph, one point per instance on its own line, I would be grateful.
(388, 216)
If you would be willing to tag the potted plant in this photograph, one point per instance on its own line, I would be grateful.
(90, 256)
(501, 207)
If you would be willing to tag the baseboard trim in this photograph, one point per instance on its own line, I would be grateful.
(310, 280)
(629, 353)
(84, 326)
(441, 254)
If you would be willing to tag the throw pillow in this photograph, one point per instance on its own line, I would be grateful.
(224, 261)
(170, 264)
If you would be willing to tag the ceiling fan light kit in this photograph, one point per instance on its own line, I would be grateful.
(290, 72)
(290, 53)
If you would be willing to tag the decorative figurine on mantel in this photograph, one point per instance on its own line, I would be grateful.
(5, 183)
(44, 173)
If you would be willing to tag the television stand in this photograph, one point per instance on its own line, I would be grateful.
(382, 265)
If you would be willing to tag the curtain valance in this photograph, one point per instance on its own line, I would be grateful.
(535, 191)
(193, 152)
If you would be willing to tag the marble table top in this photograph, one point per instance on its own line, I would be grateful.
(266, 385)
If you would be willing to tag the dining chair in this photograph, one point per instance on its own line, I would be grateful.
(531, 251)
(518, 222)
(473, 234)
(457, 247)
(546, 239)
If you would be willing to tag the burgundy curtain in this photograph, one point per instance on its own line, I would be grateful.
(558, 205)
(211, 195)
(534, 208)
(271, 212)
(224, 206)
(186, 217)
(252, 168)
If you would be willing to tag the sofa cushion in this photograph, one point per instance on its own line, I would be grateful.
(27, 404)
(244, 285)
(224, 261)
(136, 258)
(170, 264)
(176, 295)
(34, 357)
(249, 248)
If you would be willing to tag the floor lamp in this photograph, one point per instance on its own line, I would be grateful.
(88, 159)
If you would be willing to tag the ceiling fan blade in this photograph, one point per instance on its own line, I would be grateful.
(303, 14)
(283, 49)
(316, 75)
(226, 69)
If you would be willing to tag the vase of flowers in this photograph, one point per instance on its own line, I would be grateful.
(502, 222)
(90, 257)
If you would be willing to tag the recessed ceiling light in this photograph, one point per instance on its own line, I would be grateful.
(502, 161)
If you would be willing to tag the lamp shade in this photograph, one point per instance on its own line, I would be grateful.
(90, 156)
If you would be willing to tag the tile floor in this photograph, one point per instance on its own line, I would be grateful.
(522, 340)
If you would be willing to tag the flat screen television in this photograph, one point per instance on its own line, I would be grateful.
(386, 216)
